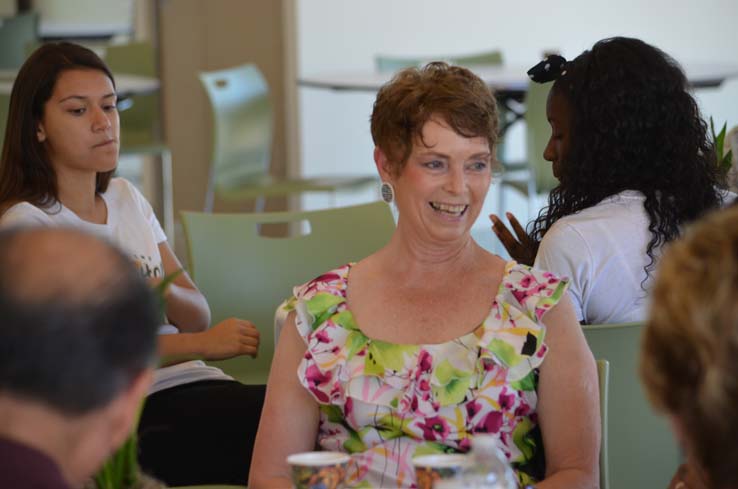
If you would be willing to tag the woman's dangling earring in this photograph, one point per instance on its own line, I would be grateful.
(388, 192)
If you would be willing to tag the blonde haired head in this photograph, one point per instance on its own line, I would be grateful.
(689, 360)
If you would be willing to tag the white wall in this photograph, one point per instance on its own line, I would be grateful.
(336, 35)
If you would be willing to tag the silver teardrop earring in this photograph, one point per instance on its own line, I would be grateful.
(388, 192)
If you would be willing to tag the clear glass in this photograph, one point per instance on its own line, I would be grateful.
(489, 468)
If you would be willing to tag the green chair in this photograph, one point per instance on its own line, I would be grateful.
(243, 124)
(244, 274)
(603, 375)
(534, 176)
(141, 122)
(641, 450)
(390, 64)
(385, 64)
(15, 34)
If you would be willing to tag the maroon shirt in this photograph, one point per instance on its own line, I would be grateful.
(23, 467)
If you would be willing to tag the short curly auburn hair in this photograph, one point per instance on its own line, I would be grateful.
(415, 95)
(689, 355)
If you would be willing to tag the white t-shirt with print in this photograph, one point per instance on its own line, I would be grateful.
(132, 226)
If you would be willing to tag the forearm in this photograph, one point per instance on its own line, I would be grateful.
(187, 309)
(178, 348)
(570, 479)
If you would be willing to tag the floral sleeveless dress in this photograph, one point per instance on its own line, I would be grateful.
(385, 403)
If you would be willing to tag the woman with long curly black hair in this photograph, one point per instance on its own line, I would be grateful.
(630, 150)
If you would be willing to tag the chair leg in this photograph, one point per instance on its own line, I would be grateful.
(167, 195)
(260, 204)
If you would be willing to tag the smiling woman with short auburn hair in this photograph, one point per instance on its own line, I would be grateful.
(431, 340)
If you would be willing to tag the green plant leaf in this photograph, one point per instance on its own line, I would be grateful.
(727, 161)
(160, 291)
(724, 161)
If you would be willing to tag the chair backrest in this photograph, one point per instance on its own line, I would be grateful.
(243, 122)
(538, 132)
(16, 33)
(493, 57)
(390, 64)
(603, 375)
(247, 275)
(385, 64)
(641, 449)
(140, 124)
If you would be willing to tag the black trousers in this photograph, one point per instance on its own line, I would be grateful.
(200, 433)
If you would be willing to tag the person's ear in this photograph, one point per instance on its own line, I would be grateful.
(384, 167)
(126, 407)
(40, 133)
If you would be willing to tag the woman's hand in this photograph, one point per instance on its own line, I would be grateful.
(520, 247)
(230, 338)
(227, 339)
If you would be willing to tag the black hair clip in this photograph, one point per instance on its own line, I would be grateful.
(552, 67)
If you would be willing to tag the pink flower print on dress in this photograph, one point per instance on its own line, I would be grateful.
(491, 423)
(425, 363)
(319, 283)
(435, 428)
(322, 336)
(472, 408)
(400, 392)
(522, 410)
(507, 401)
(465, 444)
(316, 382)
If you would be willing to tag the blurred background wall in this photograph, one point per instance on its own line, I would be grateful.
(335, 35)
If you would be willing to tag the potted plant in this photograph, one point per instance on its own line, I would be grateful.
(724, 159)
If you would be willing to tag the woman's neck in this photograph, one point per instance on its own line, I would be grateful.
(420, 260)
(77, 193)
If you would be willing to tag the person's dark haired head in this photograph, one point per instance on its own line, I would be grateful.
(634, 126)
(26, 173)
(77, 329)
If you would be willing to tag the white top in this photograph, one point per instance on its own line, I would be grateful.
(133, 226)
(602, 250)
